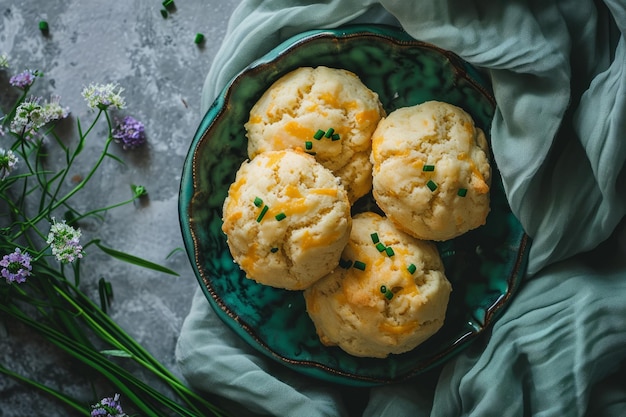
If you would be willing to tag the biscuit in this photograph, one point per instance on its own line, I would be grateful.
(388, 295)
(327, 112)
(431, 170)
(286, 218)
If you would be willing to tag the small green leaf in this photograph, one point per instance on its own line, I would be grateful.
(131, 259)
(116, 352)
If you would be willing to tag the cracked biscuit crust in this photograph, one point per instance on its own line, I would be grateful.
(286, 218)
(392, 302)
(431, 170)
(308, 100)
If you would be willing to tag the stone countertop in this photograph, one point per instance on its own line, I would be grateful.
(161, 68)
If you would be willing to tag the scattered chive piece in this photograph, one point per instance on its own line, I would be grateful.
(329, 132)
(319, 134)
(359, 265)
(274, 250)
(432, 185)
(280, 216)
(428, 168)
(411, 268)
(199, 38)
(168, 4)
(262, 214)
(462, 192)
(380, 246)
(335, 136)
(258, 201)
(383, 289)
(345, 263)
(374, 237)
(43, 26)
(388, 295)
(164, 13)
(308, 145)
(389, 251)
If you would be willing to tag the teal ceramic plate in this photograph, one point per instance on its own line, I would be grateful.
(484, 266)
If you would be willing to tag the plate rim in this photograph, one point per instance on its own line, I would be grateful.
(246, 331)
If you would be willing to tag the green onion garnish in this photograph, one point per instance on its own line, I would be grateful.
(164, 13)
(428, 168)
(380, 246)
(262, 214)
(374, 237)
(383, 289)
(308, 145)
(43, 26)
(199, 38)
(335, 137)
(329, 132)
(280, 216)
(345, 263)
(168, 3)
(389, 251)
(319, 134)
(274, 250)
(462, 192)
(388, 295)
(258, 201)
(359, 265)
(411, 268)
(432, 185)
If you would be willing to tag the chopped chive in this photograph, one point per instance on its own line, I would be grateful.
(199, 38)
(258, 201)
(383, 289)
(345, 263)
(308, 145)
(319, 134)
(168, 4)
(428, 168)
(329, 132)
(411, 268)
(432, 185)
(388, 295)
(164, 13)
(280, 216)
(462, 192)
(335, 137)
(374, 237)
(389, 251)
(262, 214)
(380, 246)
(43, 26)
(359, 265)
(274, 250)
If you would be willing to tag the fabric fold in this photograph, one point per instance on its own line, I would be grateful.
(558, 70)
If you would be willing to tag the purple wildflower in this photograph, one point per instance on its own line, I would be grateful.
(130, 133)
(16, 266)
(24, 79)
(108, 407)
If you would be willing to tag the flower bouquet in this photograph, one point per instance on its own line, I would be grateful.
(41, 253)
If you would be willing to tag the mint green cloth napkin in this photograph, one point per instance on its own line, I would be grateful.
(558, 70)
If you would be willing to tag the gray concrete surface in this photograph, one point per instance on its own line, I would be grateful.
(162, 70)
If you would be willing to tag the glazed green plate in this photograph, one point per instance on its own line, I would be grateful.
(485, 266)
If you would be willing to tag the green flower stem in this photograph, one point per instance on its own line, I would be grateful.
(121, 378)
(62, 397)
(92, 212)
(103, 326)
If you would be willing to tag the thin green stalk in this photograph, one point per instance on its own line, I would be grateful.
(113, 372)
(56, 394)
